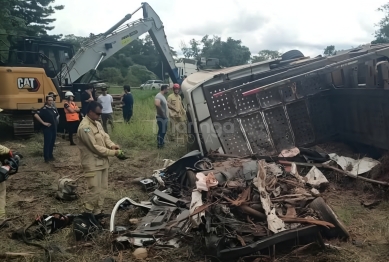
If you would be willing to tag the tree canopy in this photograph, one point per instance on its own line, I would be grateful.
(382, 33)
(264, 55)
(230, 52)
(31, 18)
(329, 50)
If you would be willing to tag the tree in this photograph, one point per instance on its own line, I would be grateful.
(172, 51)
(265, 55)
(329, 50)
(76, 41)
(111, 74)
(230, 52)
(36, 15)
(10, 24)
(138, 74)
(191, 51)
(382, 34)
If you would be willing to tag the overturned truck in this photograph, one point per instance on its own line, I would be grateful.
(263, 108)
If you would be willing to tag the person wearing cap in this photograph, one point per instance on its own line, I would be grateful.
(95, 148)
(106, 101)
(177, 116)
(72, 115)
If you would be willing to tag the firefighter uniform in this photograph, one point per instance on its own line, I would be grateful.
(95, 147)
(4, 153)
(177, 117)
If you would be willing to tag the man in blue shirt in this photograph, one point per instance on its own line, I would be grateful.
(128, 103)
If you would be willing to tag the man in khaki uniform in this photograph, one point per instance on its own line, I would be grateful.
(177, 116)
(4, 153)
(95, 147)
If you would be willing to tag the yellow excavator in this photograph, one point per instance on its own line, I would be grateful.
(34, 67)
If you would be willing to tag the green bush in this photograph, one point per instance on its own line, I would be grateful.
(134, 76)
(111, 74)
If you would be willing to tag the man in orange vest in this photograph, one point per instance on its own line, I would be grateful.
(72, 115)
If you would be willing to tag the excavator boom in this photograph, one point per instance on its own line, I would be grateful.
(100, 48)
(35, 67)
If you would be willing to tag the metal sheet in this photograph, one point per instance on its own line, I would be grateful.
(288, 92)
(268, 98)
(279, 128)
(257, 134)
(321, 111)
(311, 85)
(245, 104)
(300, 122)
(221, 107)
(231, 137)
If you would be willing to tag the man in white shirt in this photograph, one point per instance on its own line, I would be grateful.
(106, 101)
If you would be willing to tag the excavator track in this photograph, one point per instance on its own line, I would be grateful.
(23, 125)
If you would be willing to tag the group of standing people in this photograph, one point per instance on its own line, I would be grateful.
(171, 111)
(93, 140)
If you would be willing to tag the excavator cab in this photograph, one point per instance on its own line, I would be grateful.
(34, 52)
(28, 74)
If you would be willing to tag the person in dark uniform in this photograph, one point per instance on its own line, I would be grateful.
(86, 98)
(47, 116)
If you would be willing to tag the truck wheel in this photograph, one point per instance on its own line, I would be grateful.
(292, 54)
(328, 215)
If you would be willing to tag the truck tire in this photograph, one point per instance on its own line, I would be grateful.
(292, 54)
(328, 215)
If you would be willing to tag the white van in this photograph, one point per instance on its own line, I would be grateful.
(152, 84)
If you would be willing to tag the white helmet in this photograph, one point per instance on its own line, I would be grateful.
(68, 93)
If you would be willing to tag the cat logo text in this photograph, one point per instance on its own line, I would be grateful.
(30, 83)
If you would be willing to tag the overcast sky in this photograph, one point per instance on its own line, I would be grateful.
(277, 25)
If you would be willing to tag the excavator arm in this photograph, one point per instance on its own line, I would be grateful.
(103, 46)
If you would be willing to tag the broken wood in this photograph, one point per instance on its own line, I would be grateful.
(289, 196)
(343, 172)
(15, 255)
(291, 212)
(250, 211)
(241, 240)
(79, 246)
(243, 197)
(307, 221)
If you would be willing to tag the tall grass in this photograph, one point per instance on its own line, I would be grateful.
(140, 133)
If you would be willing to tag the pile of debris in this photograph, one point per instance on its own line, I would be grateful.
(239, 206)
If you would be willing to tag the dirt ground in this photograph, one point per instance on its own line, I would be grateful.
(32, 192)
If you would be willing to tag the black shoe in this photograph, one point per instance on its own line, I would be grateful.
(72, 144)
(52, 159)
